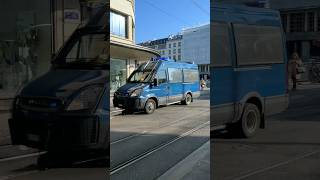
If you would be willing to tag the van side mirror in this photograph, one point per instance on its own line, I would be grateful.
(155, 82)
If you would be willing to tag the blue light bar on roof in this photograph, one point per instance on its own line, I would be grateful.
(161, 59)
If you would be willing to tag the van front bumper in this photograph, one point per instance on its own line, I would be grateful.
(129, 103)
(57, 132)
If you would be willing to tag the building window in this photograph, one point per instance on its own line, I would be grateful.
(179, 57)
(174, 44)
(169, 45)
(284, 21)
(310, 22)
(318, 19)
(169, 51)
(174, 51)
(297, 21)
(179, 51)
(169, 57)
(118, 24)
(179, 44)
(174, 57)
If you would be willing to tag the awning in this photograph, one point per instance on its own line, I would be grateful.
(120, 50)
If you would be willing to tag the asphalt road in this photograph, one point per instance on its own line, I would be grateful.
(146, 146)
(142, 147)
(289, 147)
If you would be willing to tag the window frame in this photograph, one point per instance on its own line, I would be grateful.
(126, 36)
(230, 63)
(181, 74)
(188, 69)
(236, 45)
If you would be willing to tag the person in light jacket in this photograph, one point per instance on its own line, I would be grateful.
(294, 63)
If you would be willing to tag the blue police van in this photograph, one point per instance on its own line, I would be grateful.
(248, 66)
(66, 110)
(159, 82)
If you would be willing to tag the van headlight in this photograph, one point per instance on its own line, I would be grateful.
(136, 93)
(85, 99)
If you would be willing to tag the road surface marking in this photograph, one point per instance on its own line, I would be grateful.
(276, 165)
(21, 157)
(161, 146)
(165, 125)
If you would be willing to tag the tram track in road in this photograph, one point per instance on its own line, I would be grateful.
(155, 149)
(156, 128)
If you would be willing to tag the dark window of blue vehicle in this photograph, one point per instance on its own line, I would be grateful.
(220, 47)
(162, 76)
(258, 44)
(118, 24)
(190, 75)
(175, 75)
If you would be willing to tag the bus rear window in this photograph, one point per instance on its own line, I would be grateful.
(190, 75)
(258, 44)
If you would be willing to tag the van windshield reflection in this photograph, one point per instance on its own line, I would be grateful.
(89, 51)
(143, 74)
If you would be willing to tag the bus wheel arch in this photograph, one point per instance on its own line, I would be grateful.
(150, 105)
(188, 99)
(258, 102)
(250, 120)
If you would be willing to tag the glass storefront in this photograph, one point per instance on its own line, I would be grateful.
(118, 73)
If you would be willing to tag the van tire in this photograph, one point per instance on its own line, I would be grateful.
(187, 100)
(250, 120)
(150, 106)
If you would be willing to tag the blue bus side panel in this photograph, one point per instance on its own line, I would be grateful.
(223, 86)
(266, 82)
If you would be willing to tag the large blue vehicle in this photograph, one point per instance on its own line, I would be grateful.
(66, 110)
(249, 67)
(159, 82)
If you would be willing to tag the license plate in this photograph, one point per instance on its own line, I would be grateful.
(33, 137)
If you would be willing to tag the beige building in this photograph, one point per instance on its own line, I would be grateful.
(125, 54)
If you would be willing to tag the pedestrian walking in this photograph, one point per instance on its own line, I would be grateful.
(295, 67)
(202, 83)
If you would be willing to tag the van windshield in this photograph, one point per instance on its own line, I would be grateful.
(144, 73)
(87, 51)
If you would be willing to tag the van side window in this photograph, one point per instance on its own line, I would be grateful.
(258, 44)
(175, 75)
(190, 75)
(162, 77)
(220, 45)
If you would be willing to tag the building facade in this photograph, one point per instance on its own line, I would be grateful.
(301, 23)
(125, 54)
(170, 47)
(196, 48)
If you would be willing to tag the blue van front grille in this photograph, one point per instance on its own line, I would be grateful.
(48, 103)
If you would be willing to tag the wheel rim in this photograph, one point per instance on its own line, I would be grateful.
(188, 99)
(251, 121)
(150, 106)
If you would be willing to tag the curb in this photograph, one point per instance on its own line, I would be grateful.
(188, 164)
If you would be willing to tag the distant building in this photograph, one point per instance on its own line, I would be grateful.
(196, 48)
(301, 23)
(168, 47)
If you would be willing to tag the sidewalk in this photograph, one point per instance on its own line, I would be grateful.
(195, 166)
(4, 129)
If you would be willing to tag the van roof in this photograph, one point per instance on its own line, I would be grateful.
(243, 14)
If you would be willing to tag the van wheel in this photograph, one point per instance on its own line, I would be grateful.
(250, 120)
(150, 106)
(187, 100)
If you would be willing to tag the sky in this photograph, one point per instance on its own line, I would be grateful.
(157, 19)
